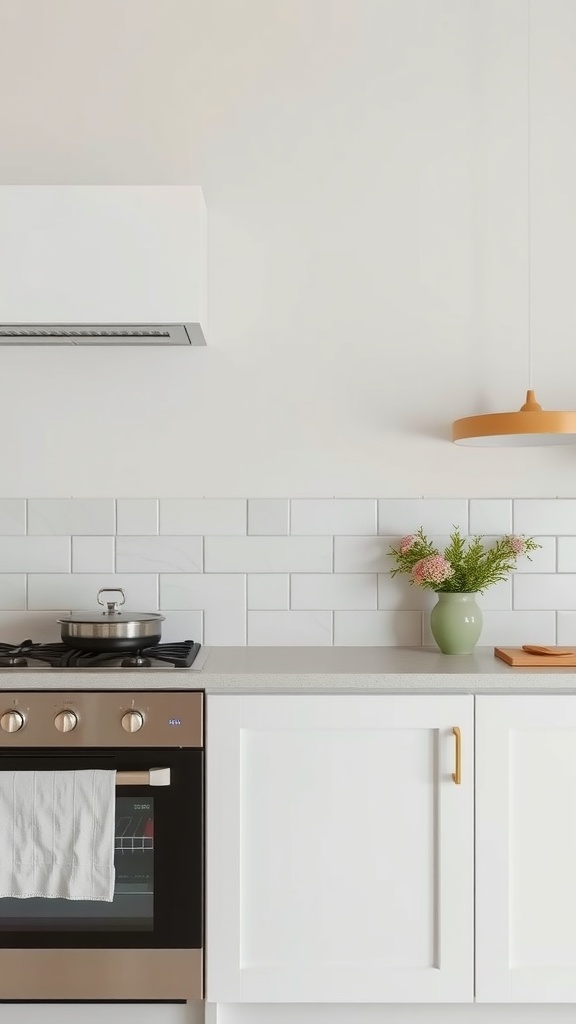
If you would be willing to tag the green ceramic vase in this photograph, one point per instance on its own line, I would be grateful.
(456, 623)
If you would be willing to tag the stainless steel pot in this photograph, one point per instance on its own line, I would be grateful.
(111, 630)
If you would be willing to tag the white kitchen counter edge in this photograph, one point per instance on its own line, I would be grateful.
(313, 670)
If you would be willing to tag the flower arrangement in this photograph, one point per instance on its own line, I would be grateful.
(465, 566)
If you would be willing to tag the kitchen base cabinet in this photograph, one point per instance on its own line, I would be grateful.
(339, 849)
(526, 848)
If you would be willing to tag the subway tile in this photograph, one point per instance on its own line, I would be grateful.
(541, 591)
(182, 625)
(12, 590)
(290, 629)
(327, 516)
(566, 629)
(268, 554)
(490, 516)
(566, 554)
(35, 554)
(332, 590)
(377, 629)
(268, 590)
(159, 554)
(400, 516)
(362, 554)
(77, 591)
(40, 627)
(64, 516)
(499, 596)
(92, 554)
(12, 516)
(544, 516)
(268, 517)
(137, 516)
(511, 628)
(221, 597)
(203, 516)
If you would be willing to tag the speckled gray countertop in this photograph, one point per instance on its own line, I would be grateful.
(312, 670)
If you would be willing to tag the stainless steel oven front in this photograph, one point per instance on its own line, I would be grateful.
(147, 943)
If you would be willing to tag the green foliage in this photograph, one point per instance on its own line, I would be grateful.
(470, 566)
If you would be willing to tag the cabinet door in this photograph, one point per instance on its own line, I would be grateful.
(339, 849)
(526, 849)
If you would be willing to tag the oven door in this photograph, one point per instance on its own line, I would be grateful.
(158, 896)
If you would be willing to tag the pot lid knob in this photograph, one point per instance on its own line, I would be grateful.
(111, 606)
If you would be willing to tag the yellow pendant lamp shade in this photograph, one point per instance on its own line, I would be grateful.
(530, 426)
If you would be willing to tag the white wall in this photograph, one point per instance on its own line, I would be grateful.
(365, 168)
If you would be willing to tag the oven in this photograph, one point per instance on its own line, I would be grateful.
(145, 945)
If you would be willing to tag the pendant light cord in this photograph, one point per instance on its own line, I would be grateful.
(529, 189)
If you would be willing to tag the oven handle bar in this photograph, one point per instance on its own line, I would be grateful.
(152, 777)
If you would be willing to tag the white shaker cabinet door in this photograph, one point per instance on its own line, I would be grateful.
(526, 848)
(339, 849)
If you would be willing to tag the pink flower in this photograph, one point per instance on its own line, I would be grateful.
(518, 545)
(432, 569)
(407, 542)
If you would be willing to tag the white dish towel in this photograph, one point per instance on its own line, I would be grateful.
(57, 834)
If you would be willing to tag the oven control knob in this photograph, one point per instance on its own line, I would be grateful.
(132, 721)
(12, 721)
(66, 721)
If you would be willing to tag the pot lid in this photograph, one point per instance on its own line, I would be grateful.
(111, 612)
(111, 617)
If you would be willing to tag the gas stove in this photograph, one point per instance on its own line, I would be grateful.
(28, 655)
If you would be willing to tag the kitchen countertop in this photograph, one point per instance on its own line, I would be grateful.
(312, 670)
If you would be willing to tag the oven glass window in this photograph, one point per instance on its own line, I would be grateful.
(131, 910)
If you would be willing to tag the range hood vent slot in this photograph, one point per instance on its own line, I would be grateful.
(101, 334)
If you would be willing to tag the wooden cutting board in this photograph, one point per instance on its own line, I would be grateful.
(558, 657)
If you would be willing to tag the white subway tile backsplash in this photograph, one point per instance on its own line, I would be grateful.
(203, 516)
(267, 554)
(92, 554)
(545, 516)
(541, 591)
(290, 629)
(12, 516)
(35, 554)
(77, 591)
(137, 516)
(490, 516)
(400, 516)
(276, 571)
(65, 516)
(159, 554)
(12, 590)
(268, 517)
(221, 597)
(362, 554)
(268, 590)
(333, 590)
(326, 516)
(377, 629)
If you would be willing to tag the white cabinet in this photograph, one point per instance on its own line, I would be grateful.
(526, 849)
(339, 849)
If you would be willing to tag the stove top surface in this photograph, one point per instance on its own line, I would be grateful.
(29, 655)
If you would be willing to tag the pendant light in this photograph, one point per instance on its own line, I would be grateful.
(530, 425)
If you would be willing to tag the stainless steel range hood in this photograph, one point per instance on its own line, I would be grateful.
(102, 265)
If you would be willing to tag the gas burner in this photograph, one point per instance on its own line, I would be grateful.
(136, 661)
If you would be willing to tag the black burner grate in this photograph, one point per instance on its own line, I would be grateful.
(178, 655)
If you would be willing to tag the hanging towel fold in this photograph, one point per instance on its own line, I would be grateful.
(57, 834)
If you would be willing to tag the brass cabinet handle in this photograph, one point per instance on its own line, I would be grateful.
(457, 775)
